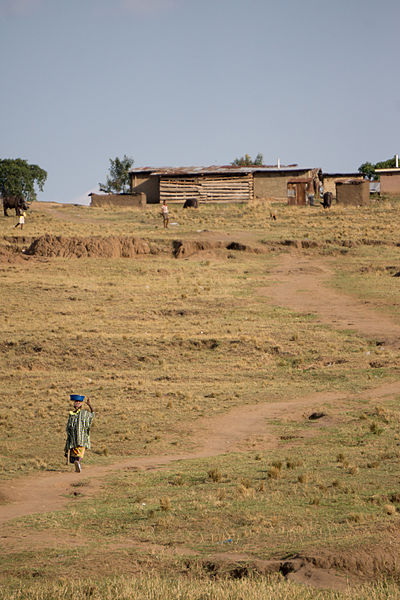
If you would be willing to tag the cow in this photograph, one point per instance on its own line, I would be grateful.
(191, 203)
(327, 199)
(15, 202)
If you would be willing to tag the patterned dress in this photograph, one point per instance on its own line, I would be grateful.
(78, 433)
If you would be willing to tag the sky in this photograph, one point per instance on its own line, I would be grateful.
(189, 82)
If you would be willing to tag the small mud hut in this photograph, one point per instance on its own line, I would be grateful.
(352, 192)
(390, 180)
(329, 180)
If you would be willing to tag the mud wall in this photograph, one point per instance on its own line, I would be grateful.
(390, 184)
(123, 200)
(274, 185)
(330, 181)
(149, 185)
(352, 192)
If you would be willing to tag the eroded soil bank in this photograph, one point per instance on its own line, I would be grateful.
(15, 248)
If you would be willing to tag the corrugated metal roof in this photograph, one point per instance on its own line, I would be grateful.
(218, 169)
(348, 175)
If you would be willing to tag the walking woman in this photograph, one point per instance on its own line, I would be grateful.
(78, 431)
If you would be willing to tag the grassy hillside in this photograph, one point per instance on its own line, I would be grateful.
(163, 345)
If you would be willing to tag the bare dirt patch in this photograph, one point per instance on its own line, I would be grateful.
(299, 569)
(10, 254)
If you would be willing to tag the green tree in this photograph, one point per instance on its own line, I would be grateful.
(247, 161)
(18, 179)
(259, 160)
(118, 177)
(368, 169)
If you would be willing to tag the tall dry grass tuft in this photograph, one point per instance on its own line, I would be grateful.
(221, 494)
(165, 503)
(303, 478)
(215, 475)
(274, 473)
(375, 429)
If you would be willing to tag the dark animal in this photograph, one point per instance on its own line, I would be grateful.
(327, 199)
(18, 204)
(191, 203)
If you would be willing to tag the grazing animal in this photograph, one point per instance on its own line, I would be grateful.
(191, 203)
(15, 202)
(327, 199)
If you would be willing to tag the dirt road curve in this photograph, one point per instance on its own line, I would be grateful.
(46, 492)
(301, 282)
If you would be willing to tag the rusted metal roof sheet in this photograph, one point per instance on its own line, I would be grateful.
(217, 169)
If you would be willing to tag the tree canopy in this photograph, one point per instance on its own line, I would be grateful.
(118, 177)
(368, 169)
(247, 161)
(18, 179)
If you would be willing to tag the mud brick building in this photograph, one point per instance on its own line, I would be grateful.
(274, 183)
(122, 200)
(352, 192)
(216, 183)
(329, 180)
(390, 180)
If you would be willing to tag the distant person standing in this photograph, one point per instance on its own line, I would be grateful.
(164, 212)
(78, 431)
(21, 219)
(310, 193)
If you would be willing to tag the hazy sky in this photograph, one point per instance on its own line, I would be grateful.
(188, 82)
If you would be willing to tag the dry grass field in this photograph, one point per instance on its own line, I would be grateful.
(205, 350)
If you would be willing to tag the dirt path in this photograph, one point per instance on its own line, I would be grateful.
(300, 284)
(57, 211)
(50, 491)
(46, 492)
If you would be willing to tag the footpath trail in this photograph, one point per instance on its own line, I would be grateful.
(298, 282)
(45, 492)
